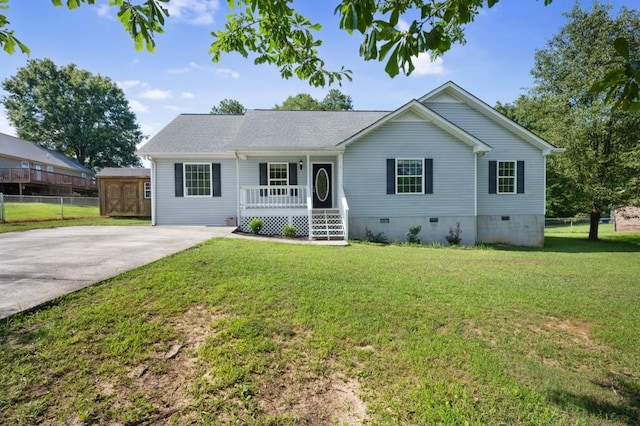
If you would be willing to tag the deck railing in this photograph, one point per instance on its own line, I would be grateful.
(24, 175)
(273, 197)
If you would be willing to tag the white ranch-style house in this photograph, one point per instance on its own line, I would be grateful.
(443, 159)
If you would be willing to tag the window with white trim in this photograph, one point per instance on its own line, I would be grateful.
(147, 190)
(50, 168)
(506, 177)
(278, 176)
(25, 164)
(197, 180)
(409, 176)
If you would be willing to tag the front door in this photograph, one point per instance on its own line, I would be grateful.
(322, 198)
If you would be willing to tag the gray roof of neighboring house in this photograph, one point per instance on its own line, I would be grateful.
(19, 148)
(259, 129)
(124, 172)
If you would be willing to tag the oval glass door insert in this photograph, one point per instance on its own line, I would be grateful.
(322, 184)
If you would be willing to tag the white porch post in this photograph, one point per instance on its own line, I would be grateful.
(309, 196)
(340, 182)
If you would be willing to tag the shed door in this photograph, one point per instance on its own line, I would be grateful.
(130, 198)
(114, 199)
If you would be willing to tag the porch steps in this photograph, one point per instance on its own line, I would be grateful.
(327, 224)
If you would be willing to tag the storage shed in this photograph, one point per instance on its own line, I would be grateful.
(627, 219)
(125, 192)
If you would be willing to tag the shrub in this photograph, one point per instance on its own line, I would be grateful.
(379, 238)
(454, 237)
(289, 231)
(256, 225)
(412, 235)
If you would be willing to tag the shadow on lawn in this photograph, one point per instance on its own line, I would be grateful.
(625, 390)
(610, 244)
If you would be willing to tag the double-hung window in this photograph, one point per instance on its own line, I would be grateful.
(278, 176)
(506, 177)
(410, 176)
(197, 179)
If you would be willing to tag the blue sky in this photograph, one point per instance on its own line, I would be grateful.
(179, 76)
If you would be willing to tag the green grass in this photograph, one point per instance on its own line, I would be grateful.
(95, 221)
(430, 335)
(20, 212)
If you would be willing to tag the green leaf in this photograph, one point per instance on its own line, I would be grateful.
(622, 47)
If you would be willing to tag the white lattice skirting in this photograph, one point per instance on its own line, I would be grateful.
(273, 224)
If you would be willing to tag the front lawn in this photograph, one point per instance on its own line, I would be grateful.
(244, 332)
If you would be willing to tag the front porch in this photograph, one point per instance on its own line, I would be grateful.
(278, 206)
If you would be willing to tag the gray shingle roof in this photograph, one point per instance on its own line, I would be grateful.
(25, 150)
(259, 129)
(124, 172)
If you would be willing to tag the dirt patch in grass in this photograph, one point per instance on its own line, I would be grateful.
(576, 331)
(314, 400)
(166, 379)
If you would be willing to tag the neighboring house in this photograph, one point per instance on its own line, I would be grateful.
(627, 219)
(30, 169)
(125, 192)
(443, 159)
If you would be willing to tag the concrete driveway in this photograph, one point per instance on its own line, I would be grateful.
(38, 266)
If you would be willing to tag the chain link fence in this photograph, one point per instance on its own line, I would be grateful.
(26, 208)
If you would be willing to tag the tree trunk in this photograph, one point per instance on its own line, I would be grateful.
(593, 224)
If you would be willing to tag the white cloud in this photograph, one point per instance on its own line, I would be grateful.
(178, 70)
(403, 25)
(227, 72)
(191, 66)
(104, 10)
(187, 95)
(5, 126)
(425, 66)
(130, 84)
(172, 107)
(156, 94)
(195, 12)
(138, 107)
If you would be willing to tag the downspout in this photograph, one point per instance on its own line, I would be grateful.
(475, 193)
(153, 191)
(237, 189)
(544, 187)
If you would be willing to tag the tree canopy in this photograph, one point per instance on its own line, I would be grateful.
(228, 106)
(600, 169)
(335, 100)
(275, 33)
(84, 116)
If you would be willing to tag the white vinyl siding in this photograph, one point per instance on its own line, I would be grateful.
(365, 180)
(506, 146)
(172, 210)
(409, 176)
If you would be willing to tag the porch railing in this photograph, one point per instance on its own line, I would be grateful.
(24, 175)
(344, 212)
(273, 197)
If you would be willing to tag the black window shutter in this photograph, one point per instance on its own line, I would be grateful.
(391, 176)
(520, 177)
(293, 174)
(216, 180)
(493, 171)
(293, 178)
(179, 179)
(263, 178)
(428, 175)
